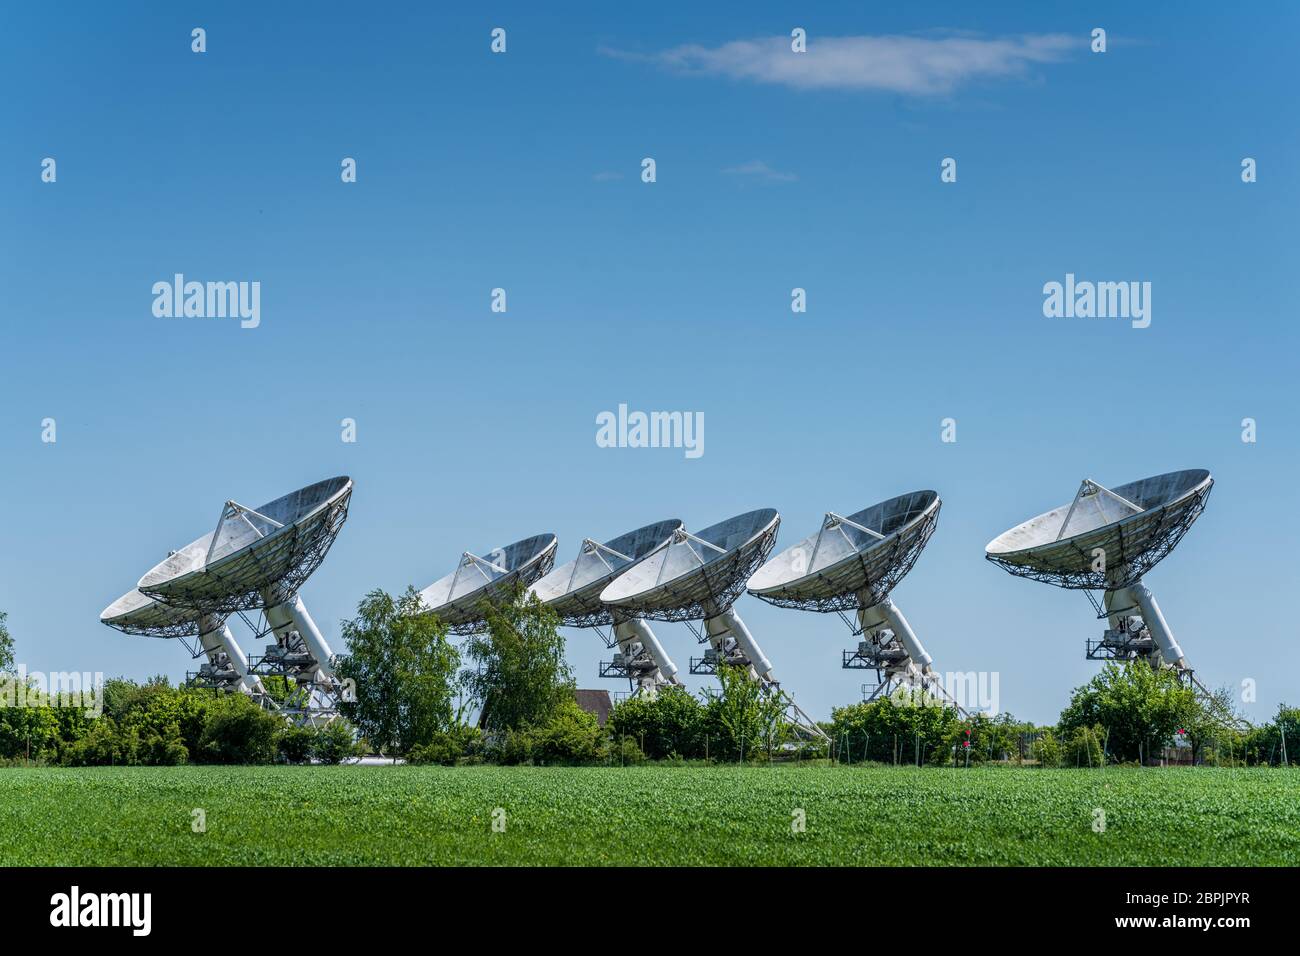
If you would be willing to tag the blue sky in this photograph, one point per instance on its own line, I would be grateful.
(522, 171)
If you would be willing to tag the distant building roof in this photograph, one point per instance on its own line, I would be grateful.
(595, 702)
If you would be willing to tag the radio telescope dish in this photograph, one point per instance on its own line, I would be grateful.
(1133, 526)
(275, 547)
(135, 613)
(1105, 540)
(573, 591)
(852, 564)
(696, 576)
(699, 577)
(227, 665)
(456, 598)
(257, 559)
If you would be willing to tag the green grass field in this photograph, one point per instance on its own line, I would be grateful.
(648, 815)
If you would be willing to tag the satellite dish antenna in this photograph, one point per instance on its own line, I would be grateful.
(227, 665)
(852, 564)
(457, 598)
(1106, 539)
(573, 591)
(693, 577)
(257, 559)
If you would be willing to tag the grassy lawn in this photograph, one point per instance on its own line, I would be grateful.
(648, 815)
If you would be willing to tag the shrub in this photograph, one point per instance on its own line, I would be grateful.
(238, 731)
(163, 749)
(571, 736)
(515, 747)
(334, 743)
(99, 747)
(901, 729)
(294, 744)
(1047, 750)
(1083, 749)
(669, 724)
(624, 751)
(447, 747)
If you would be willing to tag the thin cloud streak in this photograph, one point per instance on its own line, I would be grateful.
(758, 170)
(915, 65)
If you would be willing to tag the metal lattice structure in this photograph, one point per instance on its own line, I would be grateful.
(866, 576)
(714, 582)
(262, 554)
(1119, 552)
(495, 594)
(138, 614)
(573, 590)
(459, 598)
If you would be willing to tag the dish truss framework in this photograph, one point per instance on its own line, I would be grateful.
(259, 582)
(708, 592)
(573, 590)
(1107, 541)
(203, 635)
(865, 564)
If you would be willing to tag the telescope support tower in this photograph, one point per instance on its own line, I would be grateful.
(892, 649)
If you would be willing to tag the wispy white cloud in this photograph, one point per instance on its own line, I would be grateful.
(759, 171)
(917, 65)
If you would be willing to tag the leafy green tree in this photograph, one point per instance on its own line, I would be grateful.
(520, 679)
(893, 730)
(1276, 741)
(102, 745)
(403, 668)
(294, 744)
(743, 719)
(29, 731)
(6, 646)
(1084, 747)
(1213, 722)
(1139, 709)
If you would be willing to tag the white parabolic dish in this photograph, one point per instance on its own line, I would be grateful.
(696, 576)
(843, 566)
(573, 589)
(136, 613)
(276, 546)
(1131, 526)
(455, 599)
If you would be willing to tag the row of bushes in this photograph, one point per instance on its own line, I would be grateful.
(1127, 714)
(155, 724)
(570, 737)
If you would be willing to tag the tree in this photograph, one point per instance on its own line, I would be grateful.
(6, 647)
(743, 717)
(1212, 722)
(333, 743)
(403, 668)
(900, 729)
(1277, 740)
(521, 678)
(1084, 747)
(1139, 709)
